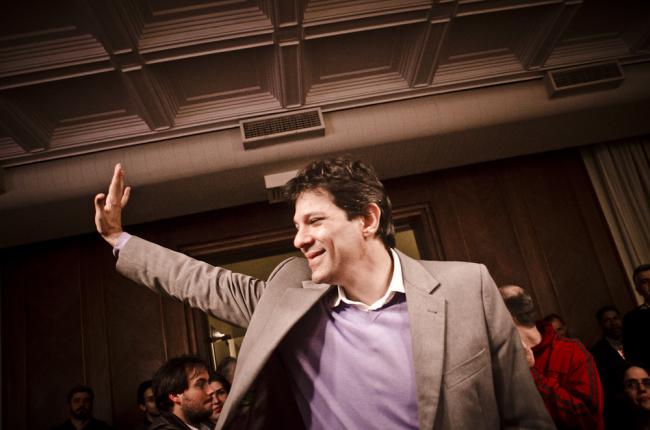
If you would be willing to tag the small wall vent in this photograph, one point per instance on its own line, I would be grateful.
(257, 132)
(275, 185)
(584, 78)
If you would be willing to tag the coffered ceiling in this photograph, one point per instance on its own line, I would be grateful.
(83, 76)
(90, 76)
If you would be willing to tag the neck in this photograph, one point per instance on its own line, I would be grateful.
(77, 423)
(371, 275)
(530, 336)
(177, 411)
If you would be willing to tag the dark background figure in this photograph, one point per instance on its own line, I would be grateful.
(563, 370)
(183, 394)
(608, 353)
(636, 392)
(558, 324)
(636, 332)
(80, 409)
(226, 368)
(147, 404)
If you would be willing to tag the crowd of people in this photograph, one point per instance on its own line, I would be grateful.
(606, 386)
(184, 394)
(370, 338)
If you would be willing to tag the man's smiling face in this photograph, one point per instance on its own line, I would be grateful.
(330, 241)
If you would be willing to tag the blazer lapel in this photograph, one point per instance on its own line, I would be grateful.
(264, 337)
(427, 318)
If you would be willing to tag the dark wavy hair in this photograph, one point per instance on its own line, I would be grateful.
(522, 307)
(81, 389)
(172, 378)
(640, 268)
(218, 377)
(144, 385)
(600, 313)
(353, 186)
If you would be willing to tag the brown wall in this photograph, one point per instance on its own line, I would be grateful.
(68, 318)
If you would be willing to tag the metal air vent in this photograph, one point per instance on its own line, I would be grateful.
(275, 185)
(584, 78)
(259, 131)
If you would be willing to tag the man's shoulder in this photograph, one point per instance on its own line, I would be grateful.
(636, 313)
(66, 425)
(450, 266)
(600, 346)
(452, 271)
(93, 424)
(167, 421)
(293, 269)
(96, 424)
(571, 345)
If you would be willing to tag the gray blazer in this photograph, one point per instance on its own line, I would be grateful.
(470, 368)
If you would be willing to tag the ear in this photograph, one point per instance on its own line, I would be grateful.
(370, 220)
(175, 398)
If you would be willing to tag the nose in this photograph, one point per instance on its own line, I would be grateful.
(642, 388)
(302, 239)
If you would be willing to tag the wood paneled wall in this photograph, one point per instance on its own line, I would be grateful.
(68, 318)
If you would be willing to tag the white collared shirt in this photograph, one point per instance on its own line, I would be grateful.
(396, 286)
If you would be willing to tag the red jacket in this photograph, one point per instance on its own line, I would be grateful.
(567, 378)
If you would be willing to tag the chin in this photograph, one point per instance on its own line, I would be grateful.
(321, 278)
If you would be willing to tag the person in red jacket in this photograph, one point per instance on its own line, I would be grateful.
(564, 371)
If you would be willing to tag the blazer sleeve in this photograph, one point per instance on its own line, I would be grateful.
(520, 404)
(227, 295)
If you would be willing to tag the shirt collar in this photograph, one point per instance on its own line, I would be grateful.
(614, 343)
(396, 286)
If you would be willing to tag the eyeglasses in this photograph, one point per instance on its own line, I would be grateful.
(635, 384)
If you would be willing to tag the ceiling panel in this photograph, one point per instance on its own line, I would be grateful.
(80, 77)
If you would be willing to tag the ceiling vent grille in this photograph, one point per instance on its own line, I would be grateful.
(259, 131)
(584, 78)
(274, 185)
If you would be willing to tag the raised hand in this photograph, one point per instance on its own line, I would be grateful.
(108, 208)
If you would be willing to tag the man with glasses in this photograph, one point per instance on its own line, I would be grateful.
(636, 387)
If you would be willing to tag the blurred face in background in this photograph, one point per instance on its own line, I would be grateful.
(218, 399)
(149, 406)
(559, 326)
(81, 406)
(612, 325)
(642, 283)
(636, 385)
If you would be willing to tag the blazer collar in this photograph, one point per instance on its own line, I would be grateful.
(416, 275)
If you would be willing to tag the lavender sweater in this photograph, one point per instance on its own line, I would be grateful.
(353, 369)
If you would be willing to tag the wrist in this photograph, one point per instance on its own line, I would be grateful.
(112, 238)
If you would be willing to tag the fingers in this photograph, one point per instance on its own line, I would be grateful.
(99, 201)
(116, 188)
(125, 196)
